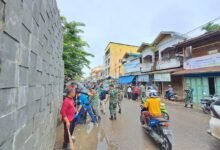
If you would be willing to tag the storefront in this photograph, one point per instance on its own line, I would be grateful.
(164, 78)
(204, 81)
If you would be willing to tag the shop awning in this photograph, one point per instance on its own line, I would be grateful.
(125, 79)
(197, 71)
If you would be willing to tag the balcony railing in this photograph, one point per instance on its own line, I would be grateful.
(166, 64)
(146, 67)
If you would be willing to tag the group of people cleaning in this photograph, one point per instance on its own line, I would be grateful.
(77, 104)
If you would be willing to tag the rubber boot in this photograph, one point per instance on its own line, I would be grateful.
(115, 117)
(111, 118)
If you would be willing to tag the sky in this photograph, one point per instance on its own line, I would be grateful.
(134, 21)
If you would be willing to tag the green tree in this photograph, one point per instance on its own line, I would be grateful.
(74, 54)
(211, 27)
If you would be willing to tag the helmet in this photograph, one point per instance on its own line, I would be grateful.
(153, 93)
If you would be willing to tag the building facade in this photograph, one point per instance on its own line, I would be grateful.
(201, 66)
(160, 59)
(114, 54)
(97, 73)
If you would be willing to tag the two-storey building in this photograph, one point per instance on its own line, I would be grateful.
(160, 59)
(201, 67)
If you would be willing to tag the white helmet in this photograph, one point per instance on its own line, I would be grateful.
(153, 93)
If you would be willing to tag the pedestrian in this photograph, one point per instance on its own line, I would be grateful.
(84, 106)
(188, 96)
(67, 112)
(94, 98)
(129, 91)
(143, 92)
(113, 100)
(120, 98)
(136, 92)
(102, 97)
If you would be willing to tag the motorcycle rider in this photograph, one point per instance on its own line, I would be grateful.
(151, 108)
(169, 92)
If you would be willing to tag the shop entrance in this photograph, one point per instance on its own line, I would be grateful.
(211, 81)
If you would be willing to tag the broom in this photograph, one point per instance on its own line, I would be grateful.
(70, 140)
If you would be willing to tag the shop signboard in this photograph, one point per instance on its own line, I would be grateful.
(162, 77)
(143, 78)
(133, 66)
(202, 62)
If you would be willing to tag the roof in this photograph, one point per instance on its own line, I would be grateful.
(120, 44)
(143, 46)
(132, 54)
(197, 71)
(163, 34)
(202, 37)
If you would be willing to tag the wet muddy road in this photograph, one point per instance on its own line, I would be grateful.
(125, 133)
(189, 130)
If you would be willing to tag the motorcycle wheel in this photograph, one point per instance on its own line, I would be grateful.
(166, 116)
(165, 145)
(205, 111)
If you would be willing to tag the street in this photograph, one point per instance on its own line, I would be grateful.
(189, 131)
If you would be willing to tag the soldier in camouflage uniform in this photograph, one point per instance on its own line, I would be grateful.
(94, 99)
(120, 98)
(113, 100)
(188, 96)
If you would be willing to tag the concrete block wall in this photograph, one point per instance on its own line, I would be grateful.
(31, 73)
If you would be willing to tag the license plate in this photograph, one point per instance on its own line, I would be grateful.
(167, 132)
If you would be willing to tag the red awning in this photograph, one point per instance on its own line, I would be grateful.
(197, 71)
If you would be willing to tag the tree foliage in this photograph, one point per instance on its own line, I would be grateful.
(211, 27)
(74, 55)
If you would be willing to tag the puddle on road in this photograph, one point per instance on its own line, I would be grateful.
(92, 137)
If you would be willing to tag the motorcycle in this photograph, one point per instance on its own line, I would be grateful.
(164, 111)
(173, 97)
(158, 129)
(206, 103)
(214, 122)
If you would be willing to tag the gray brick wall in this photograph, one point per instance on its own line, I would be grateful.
(31, 73)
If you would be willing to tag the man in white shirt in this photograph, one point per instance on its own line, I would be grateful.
(129, 92)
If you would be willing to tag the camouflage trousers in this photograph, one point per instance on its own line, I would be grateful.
(188, 101)
(96, 110)
(112, 108)
(119, 105)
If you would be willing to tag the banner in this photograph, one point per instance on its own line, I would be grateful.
(143, 78)
(133, 66)
(202, 62)
(164, 77)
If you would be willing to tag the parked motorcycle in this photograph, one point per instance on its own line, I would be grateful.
(159, 131)
(214, 122)
(206, 103)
